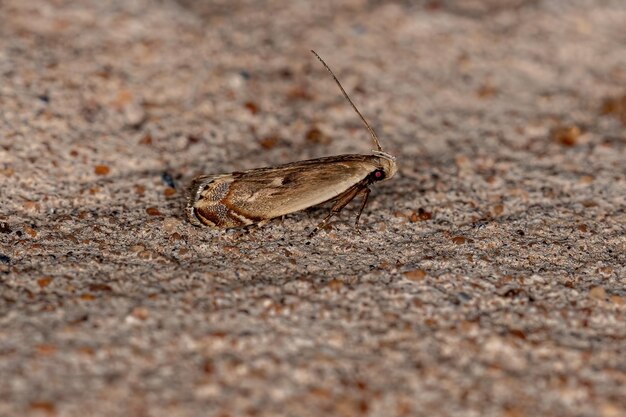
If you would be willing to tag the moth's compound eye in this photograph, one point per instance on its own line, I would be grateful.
(378, 175)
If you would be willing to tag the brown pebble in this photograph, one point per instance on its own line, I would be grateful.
(597, 293)
(87, 297)
(29, 230)
(413, 217)
(101, 170)
(416, 275)
(586, 179)
(31, 205)
(299, 93)
(7, 172)
(140, 189)
(315, 135)
(268, 142)
(334, 284)
(45, 349)
(615, 106)
(460, 160)
(123, 98)
(423, 214)
(467, 326)
(43, 406)
(85, 350)
(487, 90)
(100, 287)
(254, 109)
(459, 240)
(169, 192)
(140, 313)
(430, 322)
(146, 140)
(231, 248)
(286, 72)
(606, 270)
(153, 211)
(498, 209)
(208, 366)
(137, 248)
(44, 282)
(193, 139)
(518, 333)
(566, 135)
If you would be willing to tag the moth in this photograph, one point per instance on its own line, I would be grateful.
(258, 195)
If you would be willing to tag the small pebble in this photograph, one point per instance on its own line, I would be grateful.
(44, 282)
(101, 170)
(415, 275)
(597, 293)
(30, 231)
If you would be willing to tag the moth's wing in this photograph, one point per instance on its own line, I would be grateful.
(271, 192)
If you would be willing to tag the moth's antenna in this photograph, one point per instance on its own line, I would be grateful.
(372, 133)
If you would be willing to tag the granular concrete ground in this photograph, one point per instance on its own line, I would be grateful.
(489, 276)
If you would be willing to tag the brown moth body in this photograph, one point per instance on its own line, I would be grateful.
(259, 195)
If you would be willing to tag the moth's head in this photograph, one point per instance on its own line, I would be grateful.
(387, 164)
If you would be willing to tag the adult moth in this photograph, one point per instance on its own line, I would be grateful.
(258, 195)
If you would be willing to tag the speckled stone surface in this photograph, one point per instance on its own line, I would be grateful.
(489, 277)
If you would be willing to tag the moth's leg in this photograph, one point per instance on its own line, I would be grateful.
(250, 228)
(254, 227)
(342, 201)
(366, 192)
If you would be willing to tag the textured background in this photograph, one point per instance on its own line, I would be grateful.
(489, 277)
